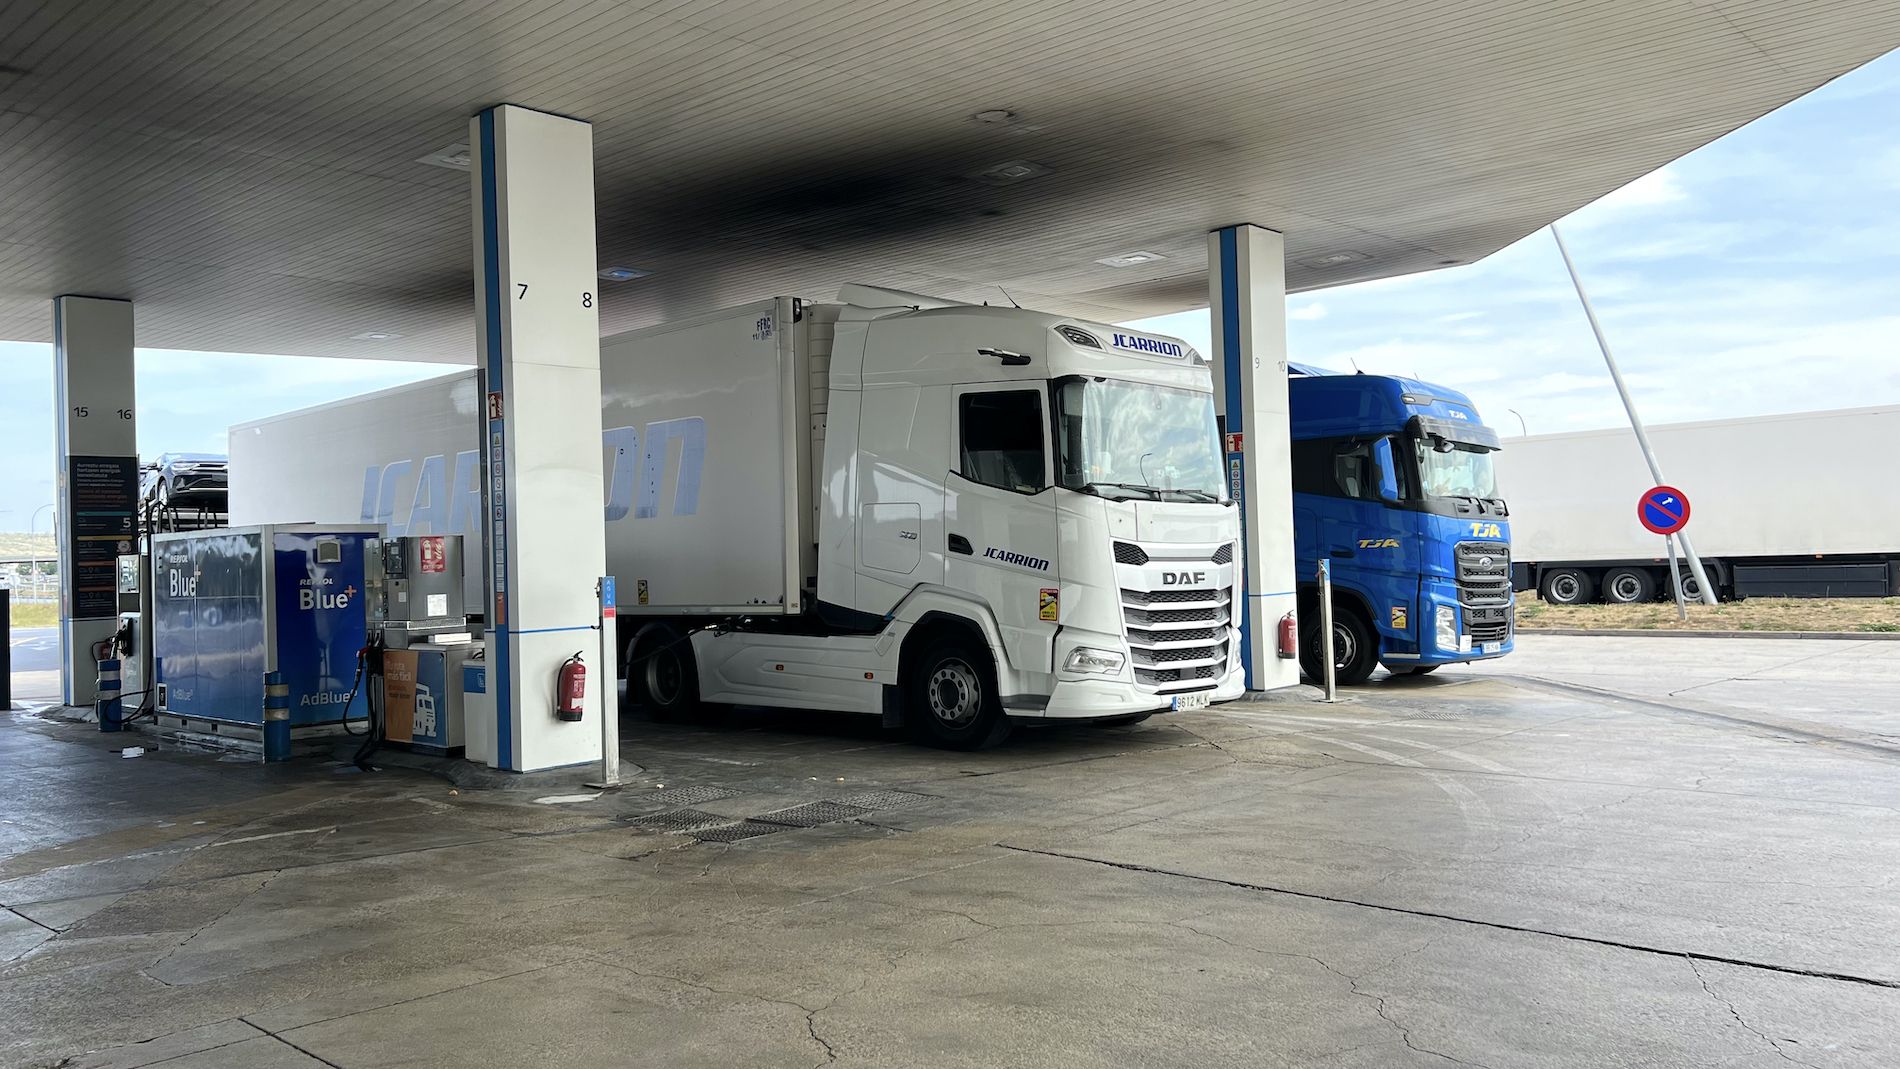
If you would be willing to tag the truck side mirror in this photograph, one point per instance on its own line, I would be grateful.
(1387, 463)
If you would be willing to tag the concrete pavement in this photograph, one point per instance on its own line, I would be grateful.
(1465, 868)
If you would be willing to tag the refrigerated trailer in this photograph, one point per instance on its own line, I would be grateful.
(952, 516)
(1781, 506)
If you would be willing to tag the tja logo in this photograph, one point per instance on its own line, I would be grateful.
(1183, 578)
(1378, 543)
(1486, 530)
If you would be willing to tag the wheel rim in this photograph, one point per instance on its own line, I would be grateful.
(955, 694)
(1626, 587)
(666, 677)
(1345, 647)
(1564, 588)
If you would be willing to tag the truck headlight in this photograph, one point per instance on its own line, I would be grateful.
(1089, 662)
(1447, 621)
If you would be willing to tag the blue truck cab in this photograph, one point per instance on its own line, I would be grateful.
(1393, 484)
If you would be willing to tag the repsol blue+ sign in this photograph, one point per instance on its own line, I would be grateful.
(1135, 343)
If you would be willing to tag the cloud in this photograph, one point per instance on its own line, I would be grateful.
(1657, 189)
(1306, 312)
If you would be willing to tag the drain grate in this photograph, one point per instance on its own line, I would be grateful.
(812, 814)
(869, 800)
(732, 833)
(679, 796)
(680, 820)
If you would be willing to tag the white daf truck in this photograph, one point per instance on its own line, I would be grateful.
(952, 516)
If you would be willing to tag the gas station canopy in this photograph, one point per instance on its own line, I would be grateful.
(290, 176)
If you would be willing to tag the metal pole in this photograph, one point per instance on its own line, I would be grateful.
(1326, 626)
(1629, 405)
(606, 616)
(6, 649)
(1675, 576)
(1522, 427)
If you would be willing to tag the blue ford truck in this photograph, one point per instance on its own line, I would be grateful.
(1392, 482)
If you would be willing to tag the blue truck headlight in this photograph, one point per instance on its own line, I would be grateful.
(1446, 619)
(1091, 662)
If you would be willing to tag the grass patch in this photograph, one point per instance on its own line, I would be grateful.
(35, 614)
(1755, 614)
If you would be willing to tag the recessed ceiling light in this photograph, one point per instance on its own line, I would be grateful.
(455, 158)
(1014, 171)
(994, 117)
(374, 335)
(1130, 259)
(1334, 259)
(622, 274)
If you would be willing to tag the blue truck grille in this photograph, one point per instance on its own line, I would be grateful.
(1484, 574)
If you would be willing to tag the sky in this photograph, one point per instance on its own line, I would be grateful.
(1758, 274)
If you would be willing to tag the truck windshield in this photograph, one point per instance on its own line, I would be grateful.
(1464, 471)
(1128, 439)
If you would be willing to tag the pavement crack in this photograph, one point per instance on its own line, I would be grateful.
(1772, 1042)
(1616, 944)
(811, 1013)
(147, 971)
(306, 1052)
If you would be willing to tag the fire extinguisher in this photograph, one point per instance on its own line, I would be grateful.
(1289, 637)
(570, 689)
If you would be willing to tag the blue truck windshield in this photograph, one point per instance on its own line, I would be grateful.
(1461, 472)
(1128, 439)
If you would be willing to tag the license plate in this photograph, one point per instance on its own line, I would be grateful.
(1185, 702)
(1494, 647)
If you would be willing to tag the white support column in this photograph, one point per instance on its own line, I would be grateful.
(536, 314)
(97, 476)
(1247, 297)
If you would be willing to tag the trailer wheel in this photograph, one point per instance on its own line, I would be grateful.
(1567, 586)
(1629, 586)
(1355, 648)
(1692, 590)
(950, 697)
(662, 674)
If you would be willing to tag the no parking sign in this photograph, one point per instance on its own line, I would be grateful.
(1663, 510)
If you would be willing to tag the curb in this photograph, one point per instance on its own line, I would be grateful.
(1838, 636)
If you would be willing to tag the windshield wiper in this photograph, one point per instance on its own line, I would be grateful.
(1194, 495)
(1095, 488)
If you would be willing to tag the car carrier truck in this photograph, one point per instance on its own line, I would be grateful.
(952, 516)
(1393, 484)
(1780, 506)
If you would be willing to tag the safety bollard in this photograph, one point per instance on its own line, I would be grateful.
(276, 717)
(1326, 628)
(111, 715)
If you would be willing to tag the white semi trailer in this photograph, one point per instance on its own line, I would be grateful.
(949, 515)
(1789, 506)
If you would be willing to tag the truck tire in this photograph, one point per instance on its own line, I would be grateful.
(1567, 586)
(1629, 586)
(662, 674)
(950, 697)
(1691, 590)
(1355, 649)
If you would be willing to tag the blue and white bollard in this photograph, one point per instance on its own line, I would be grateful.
(276, 717)
(111, 714)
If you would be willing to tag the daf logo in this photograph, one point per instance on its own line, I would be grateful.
(1183, 578)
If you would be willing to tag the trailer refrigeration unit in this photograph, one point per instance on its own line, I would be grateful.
(1782, 506)
(950, 515)
(1392, 483)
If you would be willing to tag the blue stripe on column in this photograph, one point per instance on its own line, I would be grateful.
(1230, 355)
(491, 343)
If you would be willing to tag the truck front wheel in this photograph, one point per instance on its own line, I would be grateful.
(1566, 586)
(1355, 649)
(662, 675)
(951, 700)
